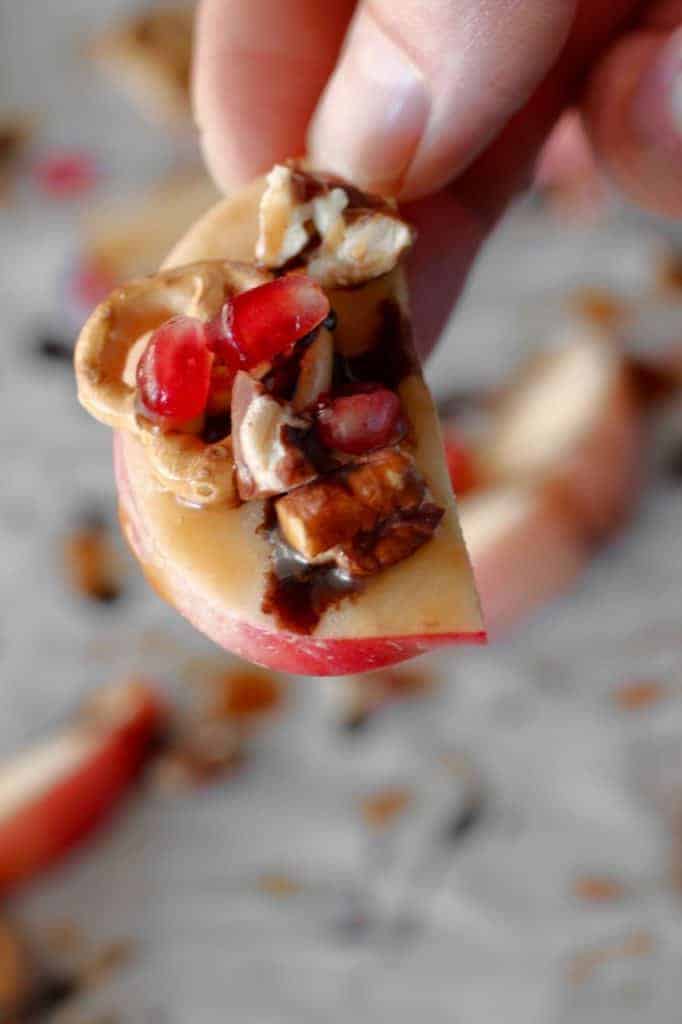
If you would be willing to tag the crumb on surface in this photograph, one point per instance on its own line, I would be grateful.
(584, 964)
(598, 889)
(381, 808)
(598, 305)
(638, 694)
(278, 884)
(92, 564)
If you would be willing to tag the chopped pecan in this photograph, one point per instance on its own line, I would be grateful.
(366, 517)
(394, 540)
(315, 518)
(387, 482)
(266, 442)
(343, 235)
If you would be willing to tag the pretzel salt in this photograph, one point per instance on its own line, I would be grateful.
(189, 467)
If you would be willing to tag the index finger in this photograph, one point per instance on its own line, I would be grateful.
(259, 69)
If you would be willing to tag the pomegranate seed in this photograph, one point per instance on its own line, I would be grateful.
(264, 322)
(460, 464)
(174, 371)
(362, 422)
(65, 175)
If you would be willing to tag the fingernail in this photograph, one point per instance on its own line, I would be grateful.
(657, 103)
(371, 117)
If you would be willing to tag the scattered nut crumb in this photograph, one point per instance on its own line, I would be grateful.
(380, 809)
(37, 986)
(15, 135)
(599, 306)
(92, 564)
(242, 694)
(456, 762)
(598, 889)
(280, 885)
(184, 768)
(584, 964)
(638, 694)
(15, 971)
(63, 937)
(110, 957)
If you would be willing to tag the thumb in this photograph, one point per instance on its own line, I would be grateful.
(420, 89)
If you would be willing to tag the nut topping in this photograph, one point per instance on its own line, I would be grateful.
(244, 385)
(264, 433)
(344, 236)
(315, 375)
(364, 518)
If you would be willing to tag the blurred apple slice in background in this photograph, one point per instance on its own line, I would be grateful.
(525, 548)
(570, 424)
(53, 794)
(554, 468)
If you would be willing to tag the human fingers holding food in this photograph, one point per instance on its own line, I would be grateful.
(445, 104)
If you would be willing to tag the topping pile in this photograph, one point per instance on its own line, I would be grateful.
(189, 367)
(251, 387)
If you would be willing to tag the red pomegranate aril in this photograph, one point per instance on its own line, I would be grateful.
(359, 423)
(267, 321)
(174, 371)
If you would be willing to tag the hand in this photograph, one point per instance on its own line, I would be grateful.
(445, 104)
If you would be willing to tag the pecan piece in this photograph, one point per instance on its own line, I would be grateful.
(344, 236)
(365, 517)
(393, 541)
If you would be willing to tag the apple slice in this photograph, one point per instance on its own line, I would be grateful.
(570, 424)
(554, 468)
(53, 795)
(212, 563)
(525, 548)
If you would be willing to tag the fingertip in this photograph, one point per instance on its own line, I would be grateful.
(372, 114)
(259, 68)
(634, 115)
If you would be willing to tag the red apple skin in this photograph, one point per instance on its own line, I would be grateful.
(274, 649)
(47, 827)
(527, 563)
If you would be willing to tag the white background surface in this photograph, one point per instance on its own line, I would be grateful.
(482, 932)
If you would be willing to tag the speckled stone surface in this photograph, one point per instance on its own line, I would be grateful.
(401, 926)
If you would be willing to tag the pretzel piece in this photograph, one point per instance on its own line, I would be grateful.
(192, 469)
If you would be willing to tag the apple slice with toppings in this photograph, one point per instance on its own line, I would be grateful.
(54, 794)
(395, 581)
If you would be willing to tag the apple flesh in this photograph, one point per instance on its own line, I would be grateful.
(212, 563)
(54, 795)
